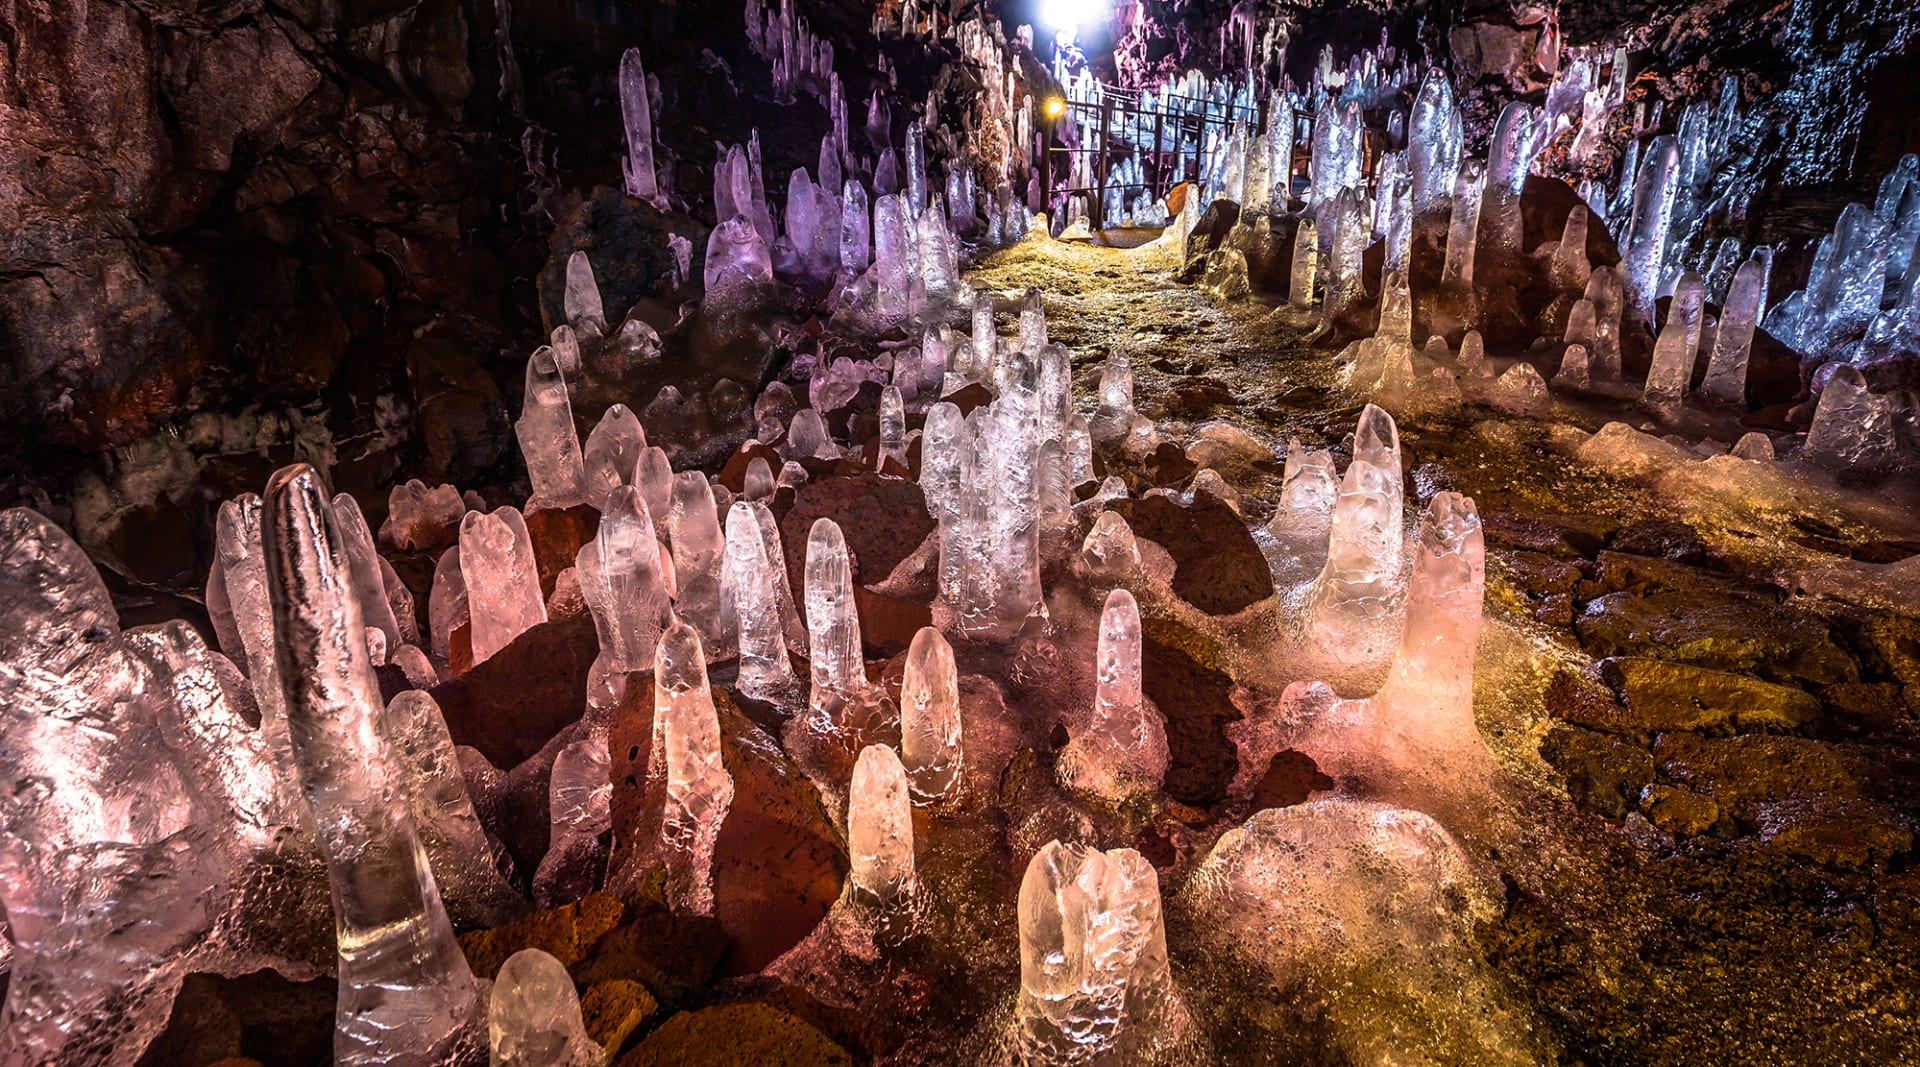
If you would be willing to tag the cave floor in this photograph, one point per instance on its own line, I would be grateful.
(1682, 885)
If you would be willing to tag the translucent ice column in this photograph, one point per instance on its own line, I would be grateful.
(1726, 381)
(1308, 489)
(637, 110)
(1122, 753)
(1352, 609)
(833, 623)
(747, 580)
(698, 546)
(547, 437)
(930, 717)
(1852, 427)
(620, 579)
(533, 1017)
(406, 995)
(612, 456)
(880, 834)
(579, 807)
(699, 789)
(1433, 142)
(737, 256)
(1653, 196)
(502, 579)
(1094, 985)
(1432, 676)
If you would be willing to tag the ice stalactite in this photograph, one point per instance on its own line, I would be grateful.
(406, 994)
(548, 440)
(1121, 754)
(502, 579)
(699, 790)
(1094, 983)
(533, 1017)
(747, 581)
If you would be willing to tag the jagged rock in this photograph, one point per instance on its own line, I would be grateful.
(1565, 536)
(1663, 696)
(1680, 812)
(884, 520)
(1604, 774)
(566, 933)
(1217, 566)
(458, 413)
(1197, 701)
(1662, 539)
(612, 1010)
(520, 697)
(1713, 630)
(1896, 640)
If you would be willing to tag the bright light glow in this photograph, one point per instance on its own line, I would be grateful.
(1054, 107)
(1072, 14)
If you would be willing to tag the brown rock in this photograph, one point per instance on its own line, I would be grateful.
(1744, 772)
(566, 933)
(1872, 705)
(557, 536)
(1836, 831)
(736, 1035)
(1604, 774)
(1662, 539)
(1197, 702)
(1679, 812)
(1896, 640)
(1662, 696)
(1217, 566)
(1291, 778)
(1714, 630)
(510, 705)
(777, 864)
(612, 1010)
(1566, 536)
(672, 955)
(883, 520)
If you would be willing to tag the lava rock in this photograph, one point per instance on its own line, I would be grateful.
(612, 1010)
(626, 241)
(883, 520)
(1663, 696)
(1217, 566)
(1197, 702)
(1680, 812)
(566, 933)
(1716, 631)
(510, 706)
(736, 1034)
(1604, 774)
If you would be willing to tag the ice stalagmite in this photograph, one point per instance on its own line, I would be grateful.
(137, 796)
(856, 229)
(620, 579)
(1309, 487)
(450, 831)
(1852, 427)
(880, 834)
(747, 581)
(737, 256)
(1351, 611)
(1033, 323)
(1278, 144)
(363, 560)
(894, 244)
(930, 718)
(579, 806)
(893, 428)
(1508, 158)
(637, 110)
(1672, 364)
(580, 302)
(237, 542)
(1570, 269)
(1604, 294)
(1433, 143)
(1094, 984)
(533, 1017)
(406, 995)
(833, 624)
(1573, 374)
(502, 579)
(793, 625)
(1429, 689)
(699, 789)
(547, 437)
(1726, 381)
(612, 455)
(1122, 753)
(1458, 309)
(1306, 264)
(698, 545)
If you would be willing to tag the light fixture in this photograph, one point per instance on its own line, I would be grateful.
(1055, 105)
(1064, 15)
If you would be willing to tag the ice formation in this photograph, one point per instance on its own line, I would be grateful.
(533, 1016)
(1094, 984)
(637, 110)
(502, 579)
(400, 970)
(698, 788)
(1121, 754)
(747, 582)
(930, 741)
(547, 437)
(580, 793)
(1348, 616)
(833, 623)
(880, 836)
